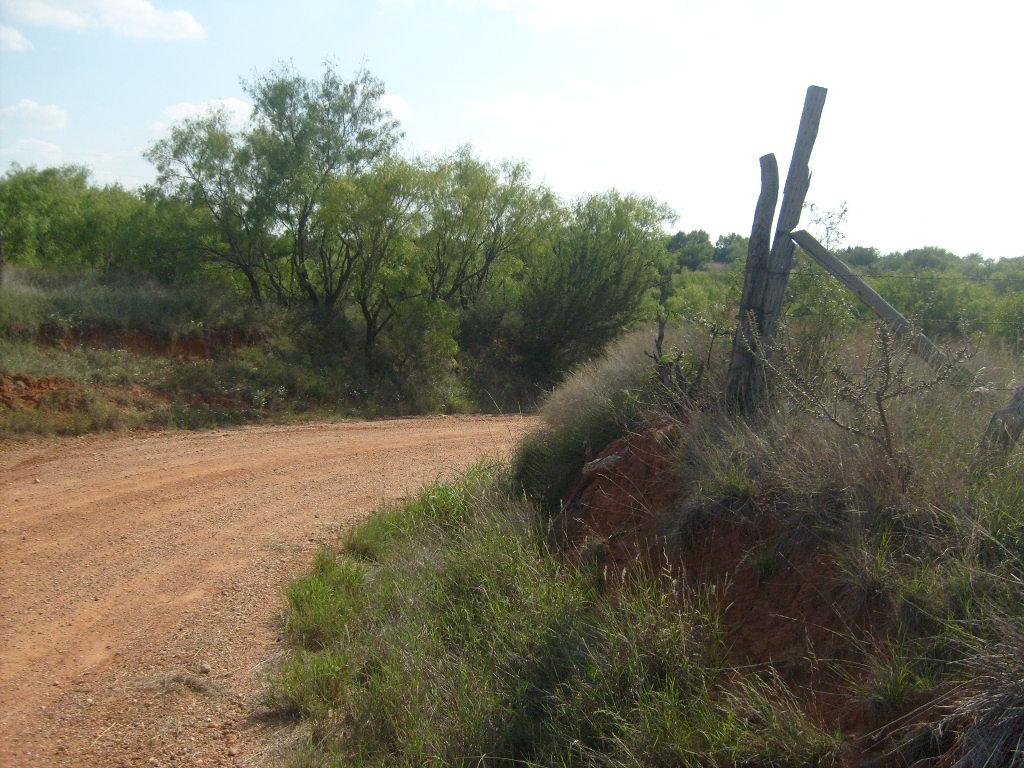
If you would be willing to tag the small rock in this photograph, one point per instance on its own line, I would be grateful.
(232, 751)
(204, 668)
(37, 480)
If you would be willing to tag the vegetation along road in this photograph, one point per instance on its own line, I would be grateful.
(141, 575)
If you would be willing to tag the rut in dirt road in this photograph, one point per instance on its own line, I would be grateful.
(141, 575)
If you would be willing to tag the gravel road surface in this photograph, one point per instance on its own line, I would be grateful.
(141, 576)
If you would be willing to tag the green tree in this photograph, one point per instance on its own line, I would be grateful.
(481, 218)
(731, 247)
(859, 255)
(692, 250)
(262, 187)
(375, 218)
(57, 217)
(592, 281)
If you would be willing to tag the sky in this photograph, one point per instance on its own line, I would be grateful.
(921, 135)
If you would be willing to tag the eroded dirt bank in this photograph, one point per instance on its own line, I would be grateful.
(140, 576)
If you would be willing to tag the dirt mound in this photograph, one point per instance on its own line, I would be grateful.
(784, 604)
(23, 392)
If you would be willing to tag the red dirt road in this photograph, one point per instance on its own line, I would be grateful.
(141, 576)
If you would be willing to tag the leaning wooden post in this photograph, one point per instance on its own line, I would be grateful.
(886, 311)
(746, 381)
(798, 180)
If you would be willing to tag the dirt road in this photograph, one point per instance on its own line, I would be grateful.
(141, 576)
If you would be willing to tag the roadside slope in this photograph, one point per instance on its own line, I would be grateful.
(140, 576)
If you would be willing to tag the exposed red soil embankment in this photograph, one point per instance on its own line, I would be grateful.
(24, 392)
(783, 604)
(179, 347)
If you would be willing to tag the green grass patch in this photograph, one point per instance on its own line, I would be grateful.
(447, 633)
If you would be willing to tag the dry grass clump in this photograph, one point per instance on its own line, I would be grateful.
(608, 398)
(990, 710)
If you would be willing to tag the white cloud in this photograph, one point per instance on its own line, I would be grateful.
(32, 152)
(43, 13)
(31, 115)
(398, 106)
(237, 110)
(130, 18)
(12, 41)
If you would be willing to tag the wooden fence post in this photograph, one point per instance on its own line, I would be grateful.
(746, 381)
(798, 180)
(923, 346)
(768, 272)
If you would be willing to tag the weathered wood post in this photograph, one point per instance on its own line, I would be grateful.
(798, 180)
(764, 283)
(746, 383)
(923, 346)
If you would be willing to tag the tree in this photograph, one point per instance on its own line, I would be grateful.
(375, 217)
(731, 247)
(591, 281)
(56, 216)
(859, 255)
(263, 187)
(37, 210)
(481, 217)
(305, 134)
(692, 250)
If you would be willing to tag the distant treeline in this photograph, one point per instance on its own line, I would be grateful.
(431, 264)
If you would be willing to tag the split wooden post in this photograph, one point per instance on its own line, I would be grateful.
(746, 383)
(768, 270)
(798, 180)
(923, 346)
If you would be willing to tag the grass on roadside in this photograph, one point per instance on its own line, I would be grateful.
(447, 633)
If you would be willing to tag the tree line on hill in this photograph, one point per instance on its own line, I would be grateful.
(427, 263)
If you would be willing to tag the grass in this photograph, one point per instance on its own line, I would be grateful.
(248, 363)
(447, 632)
(38, 302)
(451, 631)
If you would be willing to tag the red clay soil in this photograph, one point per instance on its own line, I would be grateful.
(141, 576)
(783, 607)
(177, 347)
(25, 392)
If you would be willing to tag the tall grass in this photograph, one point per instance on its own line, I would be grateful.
(53, 302)
(447, 633)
